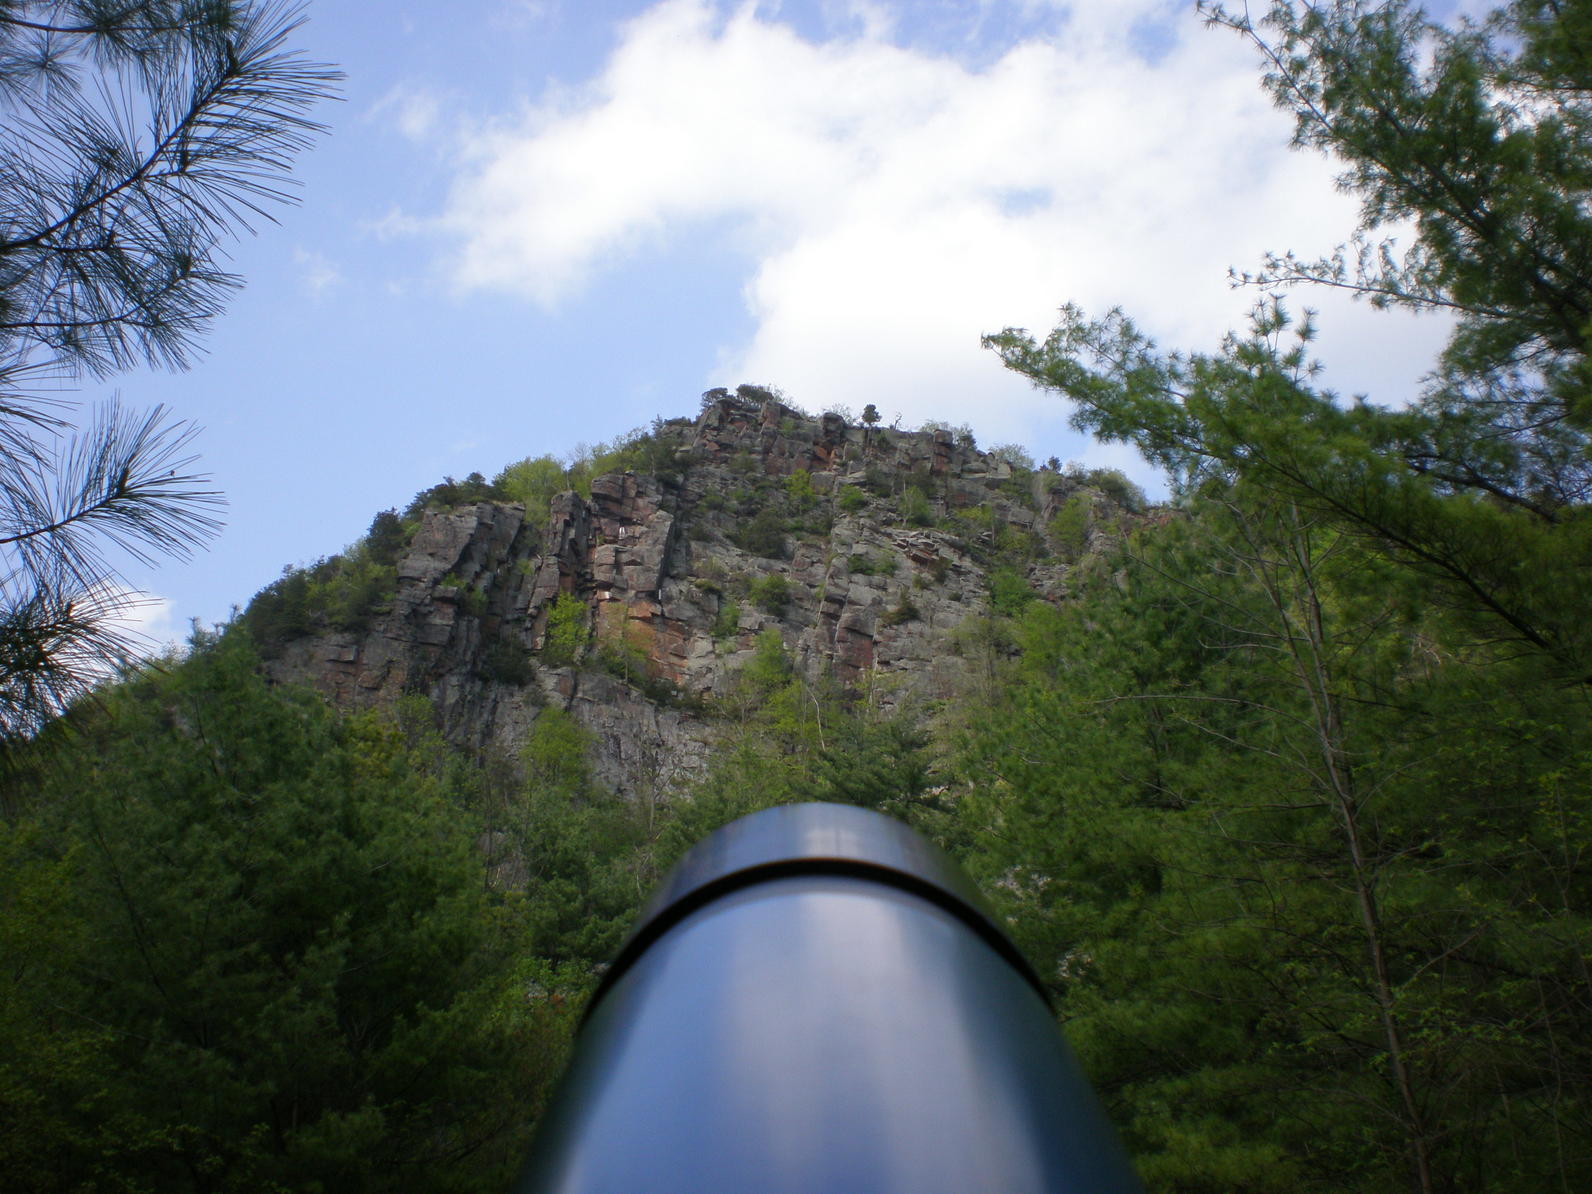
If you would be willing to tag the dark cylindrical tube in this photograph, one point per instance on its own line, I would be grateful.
(815, 1001)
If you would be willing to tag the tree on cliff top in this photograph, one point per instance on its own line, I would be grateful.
(133, 136)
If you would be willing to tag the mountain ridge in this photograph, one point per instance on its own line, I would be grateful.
(867, 551)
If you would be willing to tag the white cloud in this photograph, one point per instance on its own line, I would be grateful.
(317, 273)
(894, 204)
(527, 12)
(414, 112)
(394, 224)
(147, 621)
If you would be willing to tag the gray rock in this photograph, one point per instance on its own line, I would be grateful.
(656, 563)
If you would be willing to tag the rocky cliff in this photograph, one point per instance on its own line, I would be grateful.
(866, 550)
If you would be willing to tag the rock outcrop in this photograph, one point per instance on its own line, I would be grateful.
(865, 549)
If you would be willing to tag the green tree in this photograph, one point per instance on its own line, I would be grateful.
(1482, 137)
(1296, 873)
(533, 482)
(1313, 812)
(1013, 454)
(771, 594)
(136, 136)
(915, 509)
(255, 951)
(587, 867)
(341, 592)
(799, 488)
(567, 632)
(870, 420)
(763, 534)
(790, 737)
(1069, 526)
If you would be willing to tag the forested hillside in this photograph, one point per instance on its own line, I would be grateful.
(1283, 785)
(320, 901)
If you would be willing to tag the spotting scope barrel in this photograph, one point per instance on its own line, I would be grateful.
(816, 1002)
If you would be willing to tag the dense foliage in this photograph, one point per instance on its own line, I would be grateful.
(1295, 806)
(249, 947)
(1288, 801)
(252, 944)
(1304, 868)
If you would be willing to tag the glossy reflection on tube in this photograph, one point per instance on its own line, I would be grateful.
(816, 1001)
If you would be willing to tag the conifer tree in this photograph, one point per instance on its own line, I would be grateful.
(1298, 835)
(1482, 137)
(250, 946)
(134, 137)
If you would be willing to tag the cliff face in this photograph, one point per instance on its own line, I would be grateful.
(864, 549)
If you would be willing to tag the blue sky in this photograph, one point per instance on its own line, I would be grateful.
(539, 223)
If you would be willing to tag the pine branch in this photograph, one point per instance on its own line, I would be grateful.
(107, 239)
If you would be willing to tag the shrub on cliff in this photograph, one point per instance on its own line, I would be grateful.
(567, 633)
(771, 594)
(532, 482)
(342, 592)
(764, 534)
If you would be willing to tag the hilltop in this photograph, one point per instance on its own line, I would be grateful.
(631, 590)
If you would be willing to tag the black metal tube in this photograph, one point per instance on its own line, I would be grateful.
(816, 1001)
